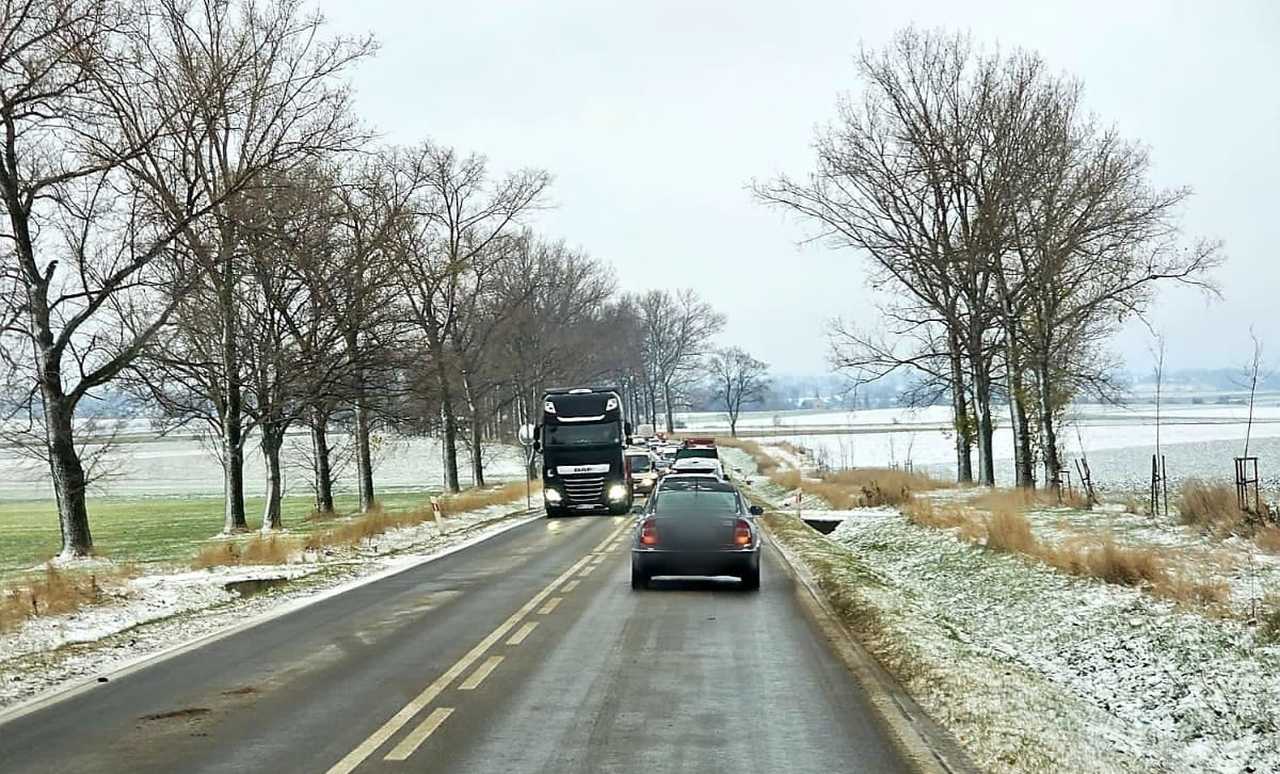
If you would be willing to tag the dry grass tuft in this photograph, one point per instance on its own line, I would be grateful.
(1008, 531)
(56, 592)
(1212, 507)
(474, 499)
(766, 465)
(257, 550)
(1269, 619)
(860, 487)
(1027, 499)
(1268, 539)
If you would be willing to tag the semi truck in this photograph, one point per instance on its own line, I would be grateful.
(581, 437)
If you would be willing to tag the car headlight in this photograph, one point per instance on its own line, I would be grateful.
(618, 492)
(552, 495)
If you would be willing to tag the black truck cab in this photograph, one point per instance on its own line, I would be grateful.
(582, 437)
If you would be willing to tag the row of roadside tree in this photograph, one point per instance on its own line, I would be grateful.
(1009, 231)
(195, 215)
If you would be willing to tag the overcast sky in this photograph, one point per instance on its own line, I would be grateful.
(655, 116)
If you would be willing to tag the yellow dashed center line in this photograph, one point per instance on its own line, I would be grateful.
(429, 694)
(419, 735)
(523, 632)
(551, 605)
(570, 586)
(482, 671)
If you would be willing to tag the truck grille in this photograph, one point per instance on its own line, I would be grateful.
(584, 490)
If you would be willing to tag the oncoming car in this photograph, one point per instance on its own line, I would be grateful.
(643, 472)
(696, 526)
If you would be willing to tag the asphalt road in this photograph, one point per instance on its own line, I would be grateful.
(528, 652)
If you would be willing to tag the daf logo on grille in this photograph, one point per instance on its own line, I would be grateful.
(584, 468)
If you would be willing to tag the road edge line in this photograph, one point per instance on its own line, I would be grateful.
(58, 695)
(926, 743)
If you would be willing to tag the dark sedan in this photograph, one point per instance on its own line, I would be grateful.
(696, 526)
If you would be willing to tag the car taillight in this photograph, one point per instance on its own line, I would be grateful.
(649, 533)
(742, 533)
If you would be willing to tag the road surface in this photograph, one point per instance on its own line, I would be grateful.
(528, 652)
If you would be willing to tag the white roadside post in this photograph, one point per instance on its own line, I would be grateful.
(526, 436)
(436, 513)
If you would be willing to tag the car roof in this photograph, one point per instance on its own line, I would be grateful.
(701, 483)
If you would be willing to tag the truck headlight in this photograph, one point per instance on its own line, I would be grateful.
(552, 495)
(618, 492)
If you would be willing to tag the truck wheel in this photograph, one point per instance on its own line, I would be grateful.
(553, 511)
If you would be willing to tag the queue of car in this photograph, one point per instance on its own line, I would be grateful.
(694, 522)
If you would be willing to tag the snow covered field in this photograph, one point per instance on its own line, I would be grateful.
(150, 465)
(1198, 441)
(1036, 671)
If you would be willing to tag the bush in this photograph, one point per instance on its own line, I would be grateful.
(1212, 507)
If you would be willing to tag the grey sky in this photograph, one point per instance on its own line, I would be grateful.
(653, 117)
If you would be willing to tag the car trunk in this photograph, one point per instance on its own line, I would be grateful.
(695, 532)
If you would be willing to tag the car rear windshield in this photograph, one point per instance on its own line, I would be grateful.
(639, 464)
(695, 501)
(581, 435)
(685, 454)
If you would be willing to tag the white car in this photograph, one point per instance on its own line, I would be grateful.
(700, 465)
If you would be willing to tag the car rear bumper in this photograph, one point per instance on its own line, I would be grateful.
(728, 562)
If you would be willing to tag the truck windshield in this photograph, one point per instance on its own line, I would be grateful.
(582, 435)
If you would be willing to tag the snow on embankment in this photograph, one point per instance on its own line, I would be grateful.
(1034, 670)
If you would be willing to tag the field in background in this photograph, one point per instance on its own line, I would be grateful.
(1199, 441)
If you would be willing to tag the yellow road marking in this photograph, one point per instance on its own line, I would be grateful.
(419, 735)
(524, 631)
(608, 539)
(570, 586)
(551, 605)
(482, 671)
(429, 694)
(587, 571)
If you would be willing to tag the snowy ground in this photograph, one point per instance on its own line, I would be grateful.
(1034, 670)
(157, 611)
(150, 465)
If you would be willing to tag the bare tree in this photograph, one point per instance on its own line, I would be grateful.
(447, 257)
(678, 329)
(244, 88)
(737, 379)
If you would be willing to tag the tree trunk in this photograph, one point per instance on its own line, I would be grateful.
(477, 431)
(666, 399)
(960, 413)
(360, 410)
(449, 443)
(1023, 462)
(232, 430)
(986, 426)
(67, 473)
(1052, 462)
(233, 471)
(321, 462)
(272, 438)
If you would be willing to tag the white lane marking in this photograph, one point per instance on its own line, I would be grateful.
(551, 605)
(524, 631)
(482, 671)
(429, 694)
(419, 735)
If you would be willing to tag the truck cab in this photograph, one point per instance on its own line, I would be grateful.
(582, 438)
